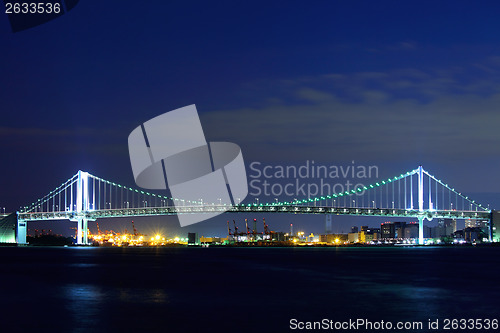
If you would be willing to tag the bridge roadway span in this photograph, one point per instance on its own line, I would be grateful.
(290, 209)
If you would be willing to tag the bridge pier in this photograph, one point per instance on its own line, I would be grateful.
(421, 230)
(21, 232)
(82, 231)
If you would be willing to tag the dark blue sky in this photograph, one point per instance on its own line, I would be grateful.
(389, 83)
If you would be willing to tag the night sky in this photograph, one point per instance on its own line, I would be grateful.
(389, 83)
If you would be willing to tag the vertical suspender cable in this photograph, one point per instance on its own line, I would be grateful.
(411, 191)
(430, 190)
(392, 194)
(105, 199)
(437, 196)
(406, 205)
(449, 197)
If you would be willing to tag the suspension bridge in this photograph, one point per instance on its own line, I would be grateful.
(414, 194)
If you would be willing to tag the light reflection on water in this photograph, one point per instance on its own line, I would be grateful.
(82, 293)
(82, 265)
(84, 303)
(138, 296)
(80, 296)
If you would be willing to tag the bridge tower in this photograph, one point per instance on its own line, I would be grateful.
(420, 205)
(82, 205)
(21, 231)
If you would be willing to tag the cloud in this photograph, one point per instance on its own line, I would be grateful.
(404, 46)
(405, 114)
(313, 95)
(407, 45)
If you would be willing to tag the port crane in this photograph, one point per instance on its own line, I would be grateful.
(235, 231)
(229, 231)
(248, 229)
(135, 230)
(251, 234)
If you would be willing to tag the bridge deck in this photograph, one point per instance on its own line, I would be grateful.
(290, 209)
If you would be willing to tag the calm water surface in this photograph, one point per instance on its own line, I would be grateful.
(240, 289)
